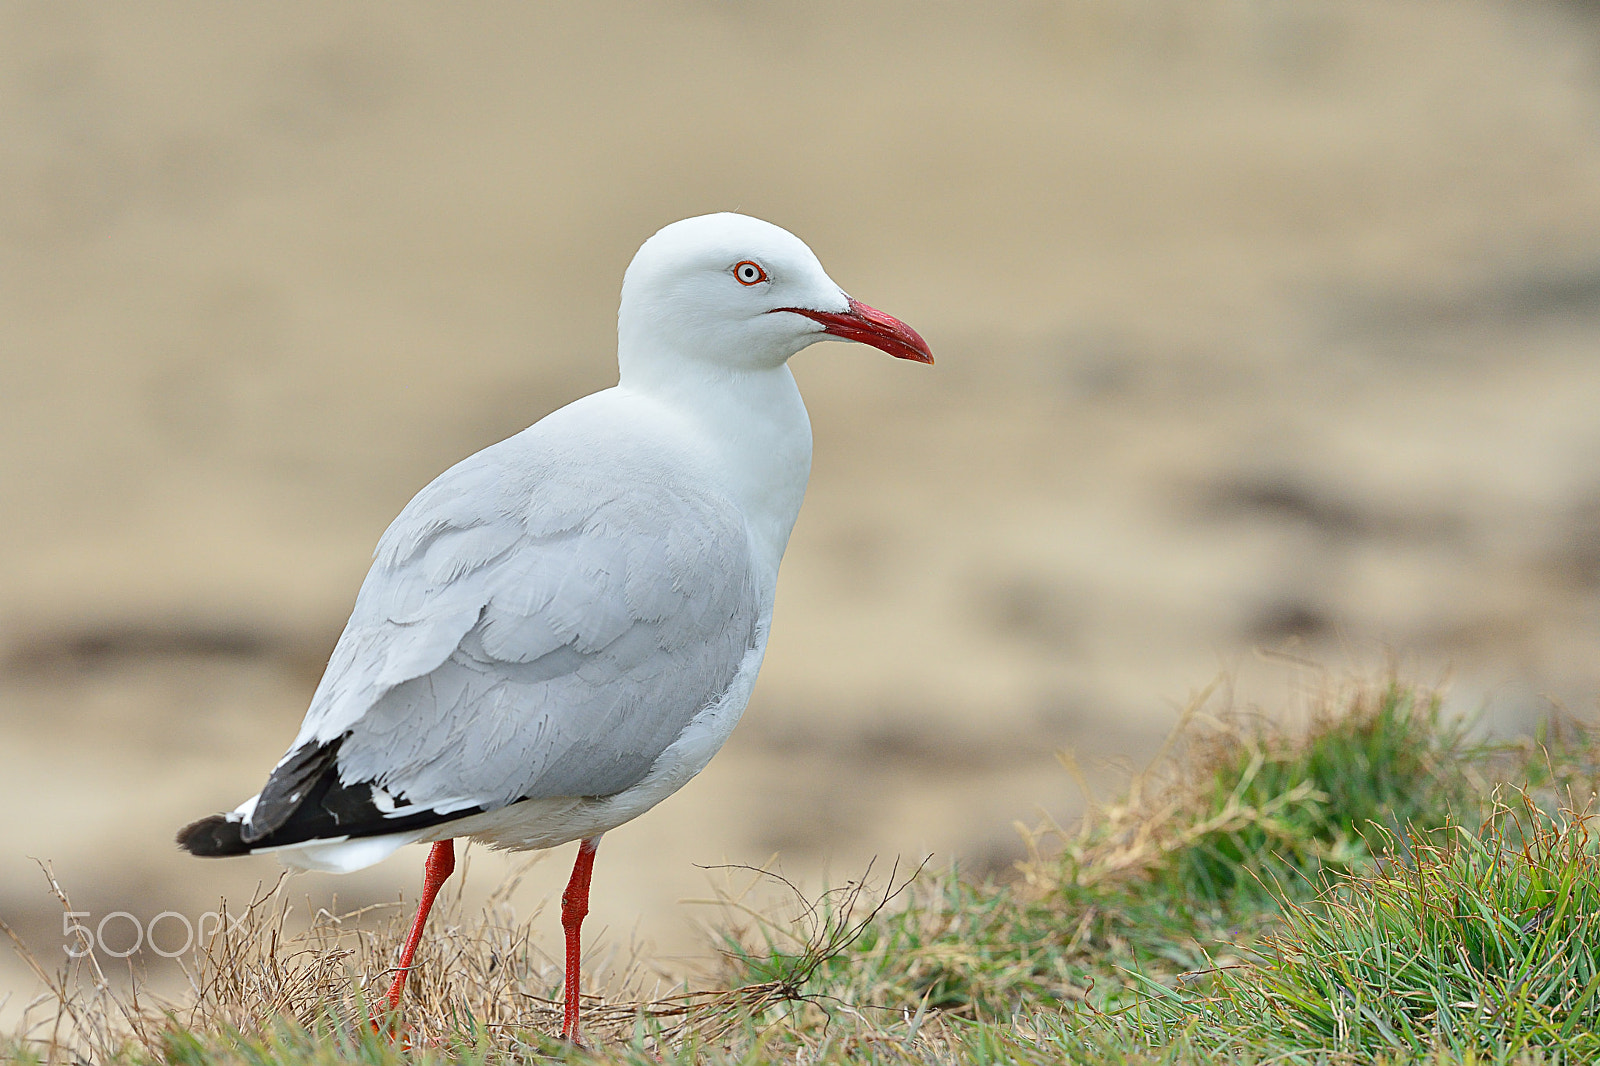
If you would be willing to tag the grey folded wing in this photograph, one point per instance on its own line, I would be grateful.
(521, 637)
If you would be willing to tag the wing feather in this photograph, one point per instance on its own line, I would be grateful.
(529, 631)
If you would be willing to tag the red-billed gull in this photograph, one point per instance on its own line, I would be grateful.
(561, 630)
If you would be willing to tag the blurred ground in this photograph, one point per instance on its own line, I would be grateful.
(1259, 325)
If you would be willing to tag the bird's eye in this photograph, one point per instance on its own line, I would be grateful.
(749, 273)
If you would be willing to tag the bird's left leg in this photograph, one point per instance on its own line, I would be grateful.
(441, 863)
(574, 905)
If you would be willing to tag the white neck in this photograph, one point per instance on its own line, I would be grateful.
(755, 425)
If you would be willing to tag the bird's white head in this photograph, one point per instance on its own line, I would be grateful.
(730, 292)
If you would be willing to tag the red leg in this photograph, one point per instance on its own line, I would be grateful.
(441, 863)
(574, 905)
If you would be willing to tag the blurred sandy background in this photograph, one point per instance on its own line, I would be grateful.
(1260, 324)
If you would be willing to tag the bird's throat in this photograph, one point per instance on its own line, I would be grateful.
(754, 424)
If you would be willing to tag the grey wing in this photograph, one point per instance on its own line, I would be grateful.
(511, 644)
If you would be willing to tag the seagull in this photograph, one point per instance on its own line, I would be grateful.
(561, 630)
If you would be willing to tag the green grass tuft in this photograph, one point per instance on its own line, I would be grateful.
(1277, 814)
(1485, 941)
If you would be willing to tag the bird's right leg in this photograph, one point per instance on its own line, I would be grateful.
(574, 905)
(441, 863)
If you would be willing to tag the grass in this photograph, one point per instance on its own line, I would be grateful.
(1369, 888)
(1467, 944)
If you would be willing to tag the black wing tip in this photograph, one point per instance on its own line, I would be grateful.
(213, 837)
(303, 802)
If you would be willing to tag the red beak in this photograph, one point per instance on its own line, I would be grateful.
(870, 326)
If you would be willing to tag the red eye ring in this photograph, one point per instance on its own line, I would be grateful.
(747, 272)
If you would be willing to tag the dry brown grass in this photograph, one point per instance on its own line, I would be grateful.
(479, 975)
